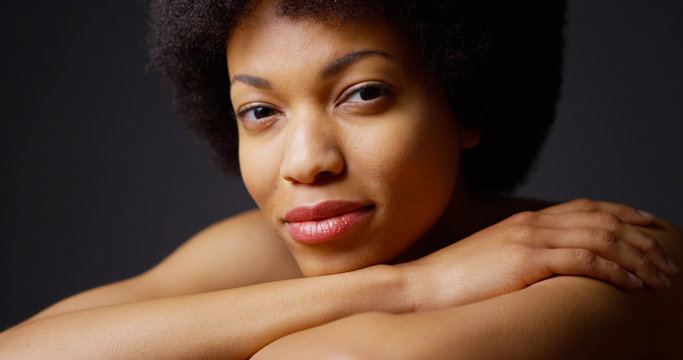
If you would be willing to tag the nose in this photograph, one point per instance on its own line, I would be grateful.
(312, 152)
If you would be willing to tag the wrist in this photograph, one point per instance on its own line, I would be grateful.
(412, 287)
(391, 289)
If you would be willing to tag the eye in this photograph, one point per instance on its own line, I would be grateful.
(367, 92)
(255, 112)
(367, 98)
(257, 116)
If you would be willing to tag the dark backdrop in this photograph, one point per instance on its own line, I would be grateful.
(100, 180)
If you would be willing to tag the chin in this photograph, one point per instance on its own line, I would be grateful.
(329, 265)
(310, 270)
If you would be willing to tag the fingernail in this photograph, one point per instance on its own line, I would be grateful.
(664, 279)
(646, 214)
(635, 280)
(672, 266)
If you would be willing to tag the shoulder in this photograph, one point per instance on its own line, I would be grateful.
(249, 224)
(575, 316)
(583, 317)
(238, 251)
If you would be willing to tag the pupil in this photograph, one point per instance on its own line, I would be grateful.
(370, 93)
(262, 111)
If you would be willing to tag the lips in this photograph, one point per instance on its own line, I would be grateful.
(324, 221)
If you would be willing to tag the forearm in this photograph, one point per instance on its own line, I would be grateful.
(561, 318)
(225, 324)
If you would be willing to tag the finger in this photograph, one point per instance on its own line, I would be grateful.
(599, 222)
(623, 212)
(647, 245)
(586, 263)
(608, 246)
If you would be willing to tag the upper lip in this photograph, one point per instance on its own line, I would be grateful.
(322, 210)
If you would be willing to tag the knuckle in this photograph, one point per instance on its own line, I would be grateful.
(584, 203)
(585, 257)
(613, 267)
(615, 272)
(642, 263)
(607, 220)
(650, 245)
(606, 238)
(524, 217)
(523, 231)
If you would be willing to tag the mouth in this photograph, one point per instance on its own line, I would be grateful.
(325, 221)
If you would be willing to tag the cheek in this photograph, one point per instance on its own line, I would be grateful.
(412, 162)
(259, 169)
(412, 148)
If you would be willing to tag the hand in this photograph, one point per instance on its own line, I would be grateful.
(582, 237)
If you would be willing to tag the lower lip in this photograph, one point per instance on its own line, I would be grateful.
(316, 231)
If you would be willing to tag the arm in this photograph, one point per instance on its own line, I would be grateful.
(239, 321)
(562, 317)
(232, 323)
(181, 308)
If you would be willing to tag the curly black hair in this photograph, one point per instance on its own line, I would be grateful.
(499, 62)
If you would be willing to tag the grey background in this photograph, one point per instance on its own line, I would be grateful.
(100, 180)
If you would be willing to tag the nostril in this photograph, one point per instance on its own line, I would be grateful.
(311, 160)
(324, 175)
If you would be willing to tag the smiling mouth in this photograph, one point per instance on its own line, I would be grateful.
(325, 221)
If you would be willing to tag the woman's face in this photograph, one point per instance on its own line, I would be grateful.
(348, 150)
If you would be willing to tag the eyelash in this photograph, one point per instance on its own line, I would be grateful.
(243, 111)
(384, 90)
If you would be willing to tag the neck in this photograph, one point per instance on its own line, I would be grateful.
(465, 215)
(461, 218)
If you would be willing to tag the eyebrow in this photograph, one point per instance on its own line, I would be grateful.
(254, 81)
(347, 60)
(335, 67)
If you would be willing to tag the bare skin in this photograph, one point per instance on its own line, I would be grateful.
(426, 257)
(156, 316)
(560, 318)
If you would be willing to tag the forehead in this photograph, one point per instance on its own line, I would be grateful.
(265, 36)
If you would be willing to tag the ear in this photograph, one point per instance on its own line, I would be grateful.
(469, 138)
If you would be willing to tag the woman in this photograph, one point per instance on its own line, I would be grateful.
(364, 163)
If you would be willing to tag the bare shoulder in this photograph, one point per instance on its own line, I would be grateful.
(582, 317)
(597, 318)
(238, 251)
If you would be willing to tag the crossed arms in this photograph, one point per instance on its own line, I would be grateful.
(176, 310)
